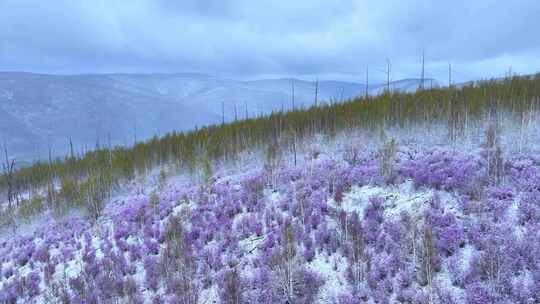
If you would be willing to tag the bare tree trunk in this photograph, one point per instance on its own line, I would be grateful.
(294, 147)
(388, 68)
(71, 152)
(316, 91)
(423, 71)
(367, 82)
(9, 167)
(449, 75)
(222, 112)
(135, 133)
(292, 94)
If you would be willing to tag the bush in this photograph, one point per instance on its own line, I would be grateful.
(478, 294)
(529, 207)
(29, 208)
(373, 219)
(231, 287)
(445, 169)
(151, 272)
(94, 191)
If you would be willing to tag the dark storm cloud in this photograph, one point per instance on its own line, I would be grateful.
(246, 38)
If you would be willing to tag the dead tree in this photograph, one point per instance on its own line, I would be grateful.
(272, 160)
(492, 266)
(50, 183)
(292, 94)
(9, 168)
(232, 287)
(96, 192)
(294, 146)
(387, 156)
(286, 262)
(222, 112)
(456, 119)
(367, 81)
(422, 75)
(429, 263)
(134, 132)
(316, 91)
(388, 71)
(71, 152)
(449, 75)
(178, 263)
(495, 165)
(357, 257)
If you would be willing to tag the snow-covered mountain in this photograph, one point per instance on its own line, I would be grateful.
(41, 112)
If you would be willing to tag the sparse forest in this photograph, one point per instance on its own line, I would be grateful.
(72, 181)
(339, 203)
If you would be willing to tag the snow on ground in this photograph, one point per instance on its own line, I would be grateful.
(400, 198)
(332, 269)
(240, 217)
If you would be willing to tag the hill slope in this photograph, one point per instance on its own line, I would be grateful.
(330, 229)
(341, 204)
(42, 111)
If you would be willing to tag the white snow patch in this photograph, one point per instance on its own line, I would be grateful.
(398, 199)
(331, 269)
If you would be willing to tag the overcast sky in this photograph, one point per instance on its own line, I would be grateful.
(266, 38)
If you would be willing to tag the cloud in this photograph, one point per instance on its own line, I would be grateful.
(242, 38)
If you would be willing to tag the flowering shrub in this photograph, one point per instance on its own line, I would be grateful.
(444, 169)
(529, 207)
(478, 294)
(348, 299)
(227, 238)
(373, 218)
(449, 234)
(31, 284)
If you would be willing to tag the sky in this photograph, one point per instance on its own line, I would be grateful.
(248, 39)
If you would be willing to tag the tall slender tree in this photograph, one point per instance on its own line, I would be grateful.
(292, 94)
(9, 167)
(316, 91)
(422, 75)
(367, 81)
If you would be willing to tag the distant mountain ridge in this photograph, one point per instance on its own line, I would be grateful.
(40, 111)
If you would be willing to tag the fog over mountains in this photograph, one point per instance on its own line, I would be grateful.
(38, 111)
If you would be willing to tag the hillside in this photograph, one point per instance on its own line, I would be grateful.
(41, 112)
(424, 197)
